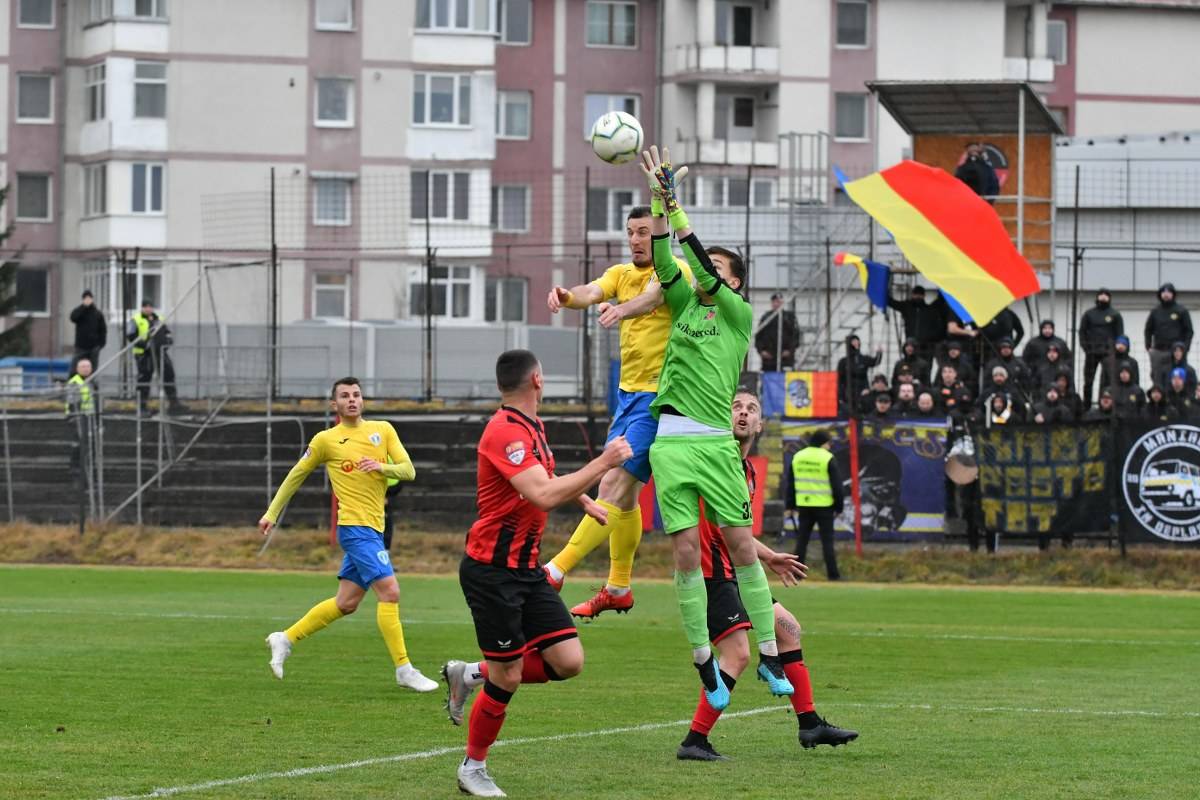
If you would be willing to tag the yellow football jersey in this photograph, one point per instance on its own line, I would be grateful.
(643, 339)
(360, 494)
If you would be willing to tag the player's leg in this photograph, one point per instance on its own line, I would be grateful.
(387, 617)
(825, 526)
(619, 491)
(813, 729)
(727, 625)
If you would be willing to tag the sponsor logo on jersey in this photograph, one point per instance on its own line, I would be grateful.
(375, 438)
(347, 466)
(343, 441)
(515, 452)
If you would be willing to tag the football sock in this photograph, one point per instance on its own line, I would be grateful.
(797, 675)
(756, 597)
(534, 669)
(317, 618)
(706, 716)
(693, 607)
(475, 674)
(487, 715)
(555, 572)
(387, 616)
(587, 537)
(623, 541)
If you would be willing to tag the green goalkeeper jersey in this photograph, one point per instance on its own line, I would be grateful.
(708, 343)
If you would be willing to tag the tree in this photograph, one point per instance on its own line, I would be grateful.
(14, 340)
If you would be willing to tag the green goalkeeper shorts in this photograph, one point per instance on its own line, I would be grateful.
(687, 468)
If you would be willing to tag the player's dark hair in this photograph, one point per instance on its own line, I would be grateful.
(736, 265)
(349, 380)
(513, 368)
(638, 212)
(749, 391)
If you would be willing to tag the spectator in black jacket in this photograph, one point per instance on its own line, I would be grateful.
(879, 385)
(1005, 325)
(1002, 409)
(852, 370)
(1178, 396)
(997, 384)
(1050, 411)
(952, 395)
(1121, 358)
(1066, 393)
(1019, 376)
(927, 404)
(918, 366)
(1104, 410)
(1178, 361)
(965, 335)
(1051, 365)
(882, 409)
(977, 173)
(925, 323)
(1157, 409)
(91, 331)
(1098, 332)
(906, 400)
(778, 337)
(955, 357)
(1035, 351)
(1166, 324)
(1129, 397)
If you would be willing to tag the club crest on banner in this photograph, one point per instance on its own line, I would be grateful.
(1160, 481)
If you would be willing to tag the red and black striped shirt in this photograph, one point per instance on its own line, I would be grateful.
(509, 529)
(714, 555)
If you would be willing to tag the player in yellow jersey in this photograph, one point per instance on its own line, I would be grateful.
(359, 456)
(645, 327)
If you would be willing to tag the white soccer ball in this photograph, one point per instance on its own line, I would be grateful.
(617, 137)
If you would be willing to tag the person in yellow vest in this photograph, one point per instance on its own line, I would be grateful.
(814, 494)
(151, 337)
(79, 392)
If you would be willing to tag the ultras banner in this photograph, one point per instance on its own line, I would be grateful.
(1159, 476)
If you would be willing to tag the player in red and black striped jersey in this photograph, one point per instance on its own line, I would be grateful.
(727, 617)
(523, 629)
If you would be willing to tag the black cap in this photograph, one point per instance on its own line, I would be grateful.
(953, 345)
(1005, 342)
(1167, 287)
(777, 296)
(147, 302)
(1052, 346)
(1103, 290)
(818, 439)
(918, 289)
(1046, 322)
(88, 293)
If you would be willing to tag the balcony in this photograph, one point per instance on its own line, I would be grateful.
(727, 60)
(1037, 70)
(723, 151)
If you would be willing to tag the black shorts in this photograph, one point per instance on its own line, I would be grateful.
(726, 613)
(514, 609)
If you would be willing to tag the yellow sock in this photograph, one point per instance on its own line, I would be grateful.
(622, 546)
(317, 618)
(586, 538)
(387, 615)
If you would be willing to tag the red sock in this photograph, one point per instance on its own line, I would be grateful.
(705, 717)
(534, 669)
(797, 674)
(487, 715)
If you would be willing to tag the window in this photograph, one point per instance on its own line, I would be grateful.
(596, 105)
(448, 195)
(331, 295)
(852, 23)
(607, 207)
(150, 9)
(147, 185)
(762, 192)
(850, 116)
(33, 197)
(335, 103)
(441, 99)
(504, 300)
(510, 208)
(448, 15)
(35, 98)
(1056, 41)
(35, 14)
(730, 191)
(95, 189)
(450, 289)
(93, 92)
(611, 24)
(150, 89)
(33, 291)
(331, 201)
(743, 112)
(335, 15)
(512, 114)
(735, 24)
(516, 21)
(99, 11)
(143, 280)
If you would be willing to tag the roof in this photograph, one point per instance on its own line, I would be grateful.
(971, 107)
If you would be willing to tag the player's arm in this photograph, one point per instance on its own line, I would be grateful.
(546, 492)
(295, 477)
(786, 565)
(650, 298)
(577, 297)
(400, 467)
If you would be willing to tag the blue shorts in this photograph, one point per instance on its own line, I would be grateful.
(634, 421)
(366, 559)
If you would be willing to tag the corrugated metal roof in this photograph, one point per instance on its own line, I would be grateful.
(982, 107)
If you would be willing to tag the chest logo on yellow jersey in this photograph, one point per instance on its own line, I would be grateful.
(343, 441)
(515, 452)
(375, 439)
(347, 466)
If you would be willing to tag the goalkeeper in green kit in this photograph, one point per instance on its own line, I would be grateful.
(694, 454)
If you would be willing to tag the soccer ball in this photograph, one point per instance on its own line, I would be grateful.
(617, 137)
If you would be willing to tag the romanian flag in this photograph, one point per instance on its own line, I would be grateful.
(874, 276)
(949, 233)
(810, 394)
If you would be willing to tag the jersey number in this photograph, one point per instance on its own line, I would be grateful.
(745, 511)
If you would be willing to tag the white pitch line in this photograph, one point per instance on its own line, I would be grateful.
(981, 637)
(171, 791)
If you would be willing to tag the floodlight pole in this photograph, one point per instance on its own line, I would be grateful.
(1021, 169)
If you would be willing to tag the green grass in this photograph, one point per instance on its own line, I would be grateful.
(158, 678)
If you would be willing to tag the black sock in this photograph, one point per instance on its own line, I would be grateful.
(694, 739)
(808, 720)
(728, 681)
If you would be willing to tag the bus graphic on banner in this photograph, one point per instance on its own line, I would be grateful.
(1161, 483)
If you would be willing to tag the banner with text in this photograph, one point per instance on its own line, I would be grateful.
(1160, 483)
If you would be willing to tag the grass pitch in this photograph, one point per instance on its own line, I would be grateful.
(120, 682)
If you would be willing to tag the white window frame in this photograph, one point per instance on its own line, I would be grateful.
(586, 26)
(1059, 25)
(344, 286)
(95, 104)
(95, 190)
(454, 276)
(450, 195)
(866, 44)
(866, 135)
(492, 311)
(502, 24)
(773, 191)
(99, 11)
(149, 82)
(46, 120)
(728, 9)
(615, 102)
(148, 189)
(49, 197)
(104, 278)
(44, 311)
(38, 25)
(506, 97)
(320, 25)
(498, 207)
(348, 122)
(452, 19)
(613, 206)
(158, 10)
(427, 79)
(335, 222)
